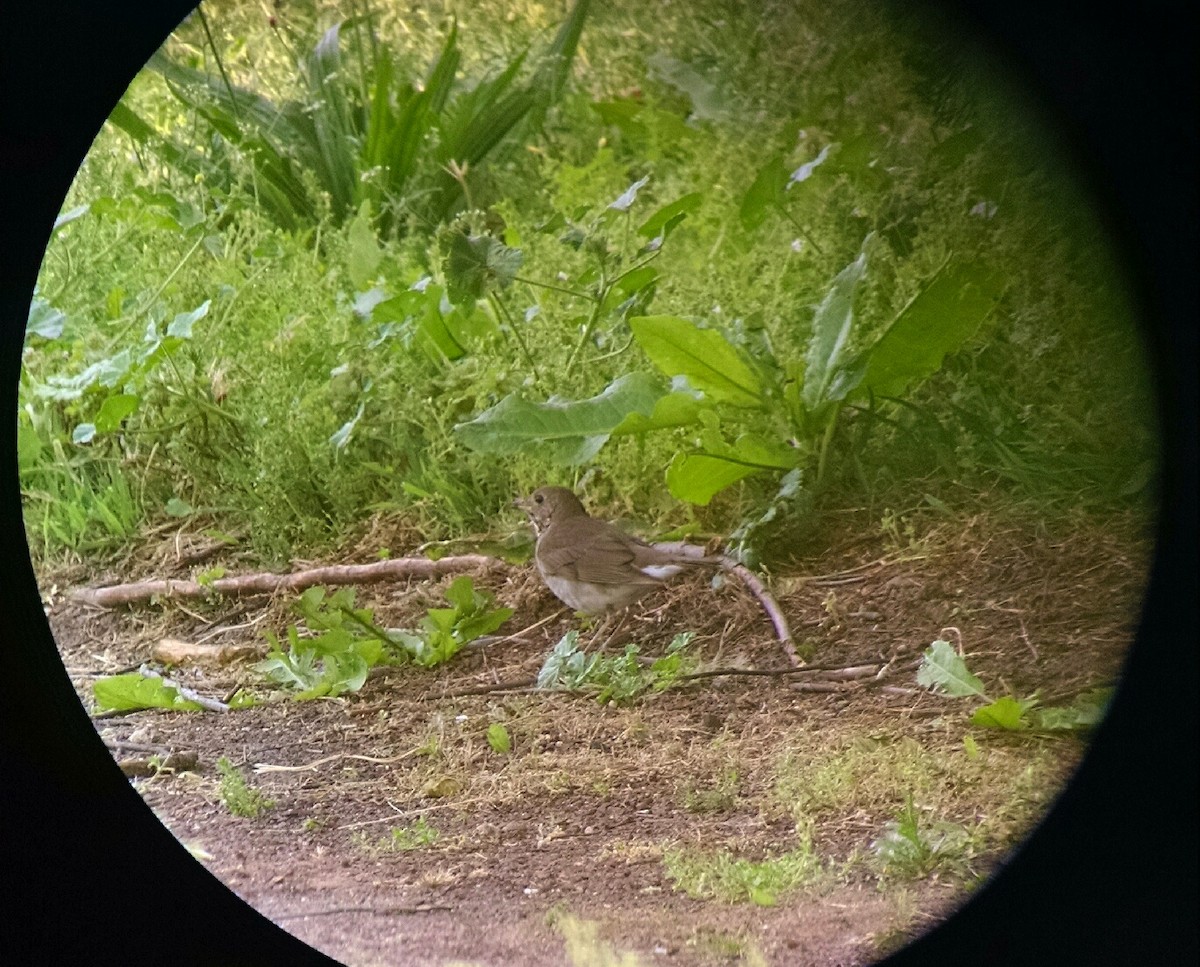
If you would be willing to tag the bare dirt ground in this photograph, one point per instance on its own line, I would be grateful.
(559, 850)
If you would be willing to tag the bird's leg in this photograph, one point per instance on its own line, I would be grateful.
(622, 617)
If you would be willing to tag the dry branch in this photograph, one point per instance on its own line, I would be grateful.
(335, 574)
(377, 911)
(769, 605)
(755, 586)
(266, 583)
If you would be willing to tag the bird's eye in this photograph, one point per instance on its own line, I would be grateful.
(538, 498)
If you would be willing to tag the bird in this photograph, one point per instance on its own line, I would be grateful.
(593, 566)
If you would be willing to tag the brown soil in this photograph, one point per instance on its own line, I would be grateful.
(569, 830)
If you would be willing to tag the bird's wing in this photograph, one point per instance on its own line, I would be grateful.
(599, 553)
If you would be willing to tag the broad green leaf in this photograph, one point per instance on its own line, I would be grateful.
(1004, 713)
(498, 738)
(765, 193)
(109, 372)
(476, 263)
(942, 670)
(1084, 713)
(206, 577)
(113, 410)
(477, 625)
(830, 332)
(704, 356)
(127, 693)
(44, 320)
(462, 594)
(566, 665)
(657, 223)
(632, 290)
(181, 326)
(157, 349)
(363, 254)
(673, 409)
(114, 302)
(938, 320)
(561, 431)
(636, 279)
(432, 325)
(698, 476)
(29, 446)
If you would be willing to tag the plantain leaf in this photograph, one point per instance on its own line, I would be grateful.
(113, 410)
(181, 326)
(44, 320)
(831, 330)
(673, 409)
(1004, 713)
(699, 475)
(940, 318)
(942, 670)
(708, 361)
(563, 431)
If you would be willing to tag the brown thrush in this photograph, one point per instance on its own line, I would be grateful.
(589, 564)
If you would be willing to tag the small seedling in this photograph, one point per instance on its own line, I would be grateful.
(911, 850)
(347, 644)
(400, 839)
(499, 739)
(718, 798)
(239, 797)
(619, 679)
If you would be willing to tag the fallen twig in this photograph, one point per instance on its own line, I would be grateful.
(399, 814)
(379, 911)
(260, 767)
(769, 605)
(755, 586)
(509, 686)
(831, 673)
(267, 583)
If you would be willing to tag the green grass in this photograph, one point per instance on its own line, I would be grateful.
(241, 421)
(400, 839)
(723, 876)
(239, 797)
(995, 793)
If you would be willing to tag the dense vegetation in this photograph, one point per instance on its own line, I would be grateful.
(784, 253)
